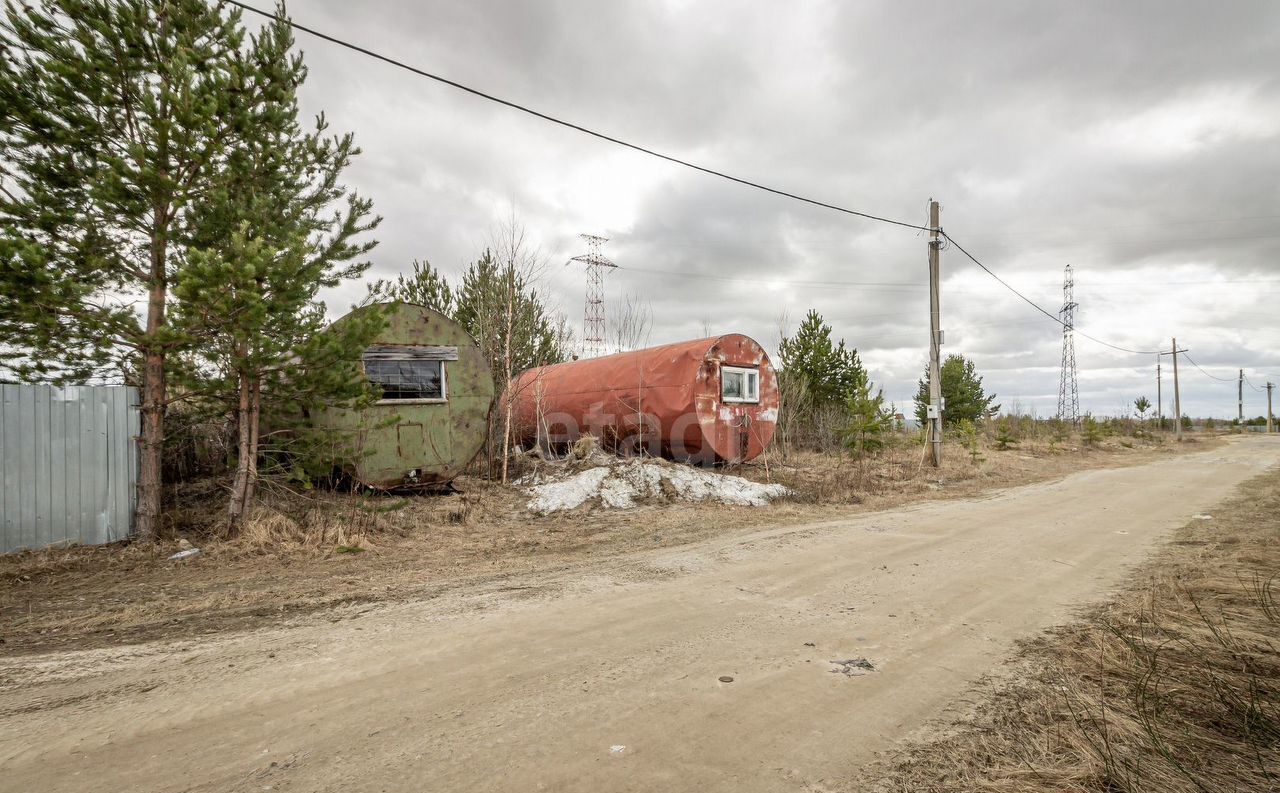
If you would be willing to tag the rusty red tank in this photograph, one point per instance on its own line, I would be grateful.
(704, 401)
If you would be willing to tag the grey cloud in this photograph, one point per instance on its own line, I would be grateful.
(1053, 135)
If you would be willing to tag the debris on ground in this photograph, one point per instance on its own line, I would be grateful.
(853, 667)
(1202, 517)
(187, 554)
(726, 679)
(619, 484)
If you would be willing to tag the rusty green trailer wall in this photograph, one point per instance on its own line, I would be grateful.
(439, 438)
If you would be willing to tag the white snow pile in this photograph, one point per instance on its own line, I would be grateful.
(620, 485)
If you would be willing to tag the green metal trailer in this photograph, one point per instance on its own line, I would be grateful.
(431, 419)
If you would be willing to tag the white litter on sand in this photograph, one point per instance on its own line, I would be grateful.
(620, 485)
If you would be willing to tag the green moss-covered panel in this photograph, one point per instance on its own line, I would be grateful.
(436, 439)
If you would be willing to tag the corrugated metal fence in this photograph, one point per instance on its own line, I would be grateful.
(69, 464)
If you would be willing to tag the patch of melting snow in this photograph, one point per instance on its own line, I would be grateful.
(621, 485)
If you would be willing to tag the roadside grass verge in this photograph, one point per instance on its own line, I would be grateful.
(307, 551)
(1172, 686)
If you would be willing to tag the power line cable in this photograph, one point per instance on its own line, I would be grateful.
(569, 124)
(1206, 374)
(765, 281)
(1195, 221)
(1037, 306)
(651, 152)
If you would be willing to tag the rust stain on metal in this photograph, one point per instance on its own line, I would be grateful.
(667, 400)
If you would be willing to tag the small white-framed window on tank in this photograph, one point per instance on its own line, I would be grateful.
(739, 384)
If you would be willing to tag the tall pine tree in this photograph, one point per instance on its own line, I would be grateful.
(501, 308)
(118, 116)
(276, 228)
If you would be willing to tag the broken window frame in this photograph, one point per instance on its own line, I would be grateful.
(750, 384)
(409, 355)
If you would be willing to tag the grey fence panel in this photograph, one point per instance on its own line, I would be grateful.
(68, 464)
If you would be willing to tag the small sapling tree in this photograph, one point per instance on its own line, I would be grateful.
(1004, 435)
(868, 422)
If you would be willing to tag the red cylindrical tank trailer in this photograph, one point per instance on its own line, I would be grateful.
(704, 401)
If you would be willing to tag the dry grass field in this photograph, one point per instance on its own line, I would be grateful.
(312, 550)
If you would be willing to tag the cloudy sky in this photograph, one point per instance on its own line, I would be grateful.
(1138, 142)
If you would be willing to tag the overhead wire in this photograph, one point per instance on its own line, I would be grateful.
(569, 124)
(766, 280)
(1037, 306)
(666, 157)
(1203, 372)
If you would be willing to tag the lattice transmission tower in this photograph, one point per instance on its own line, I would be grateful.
(1068, 389)
(593, 324)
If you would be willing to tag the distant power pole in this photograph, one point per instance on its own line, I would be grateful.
(1068, 390)
(1269, 422)
(1177, 395)
(1240, 398)
(1159, 397)
(593, 310)
(933, 410)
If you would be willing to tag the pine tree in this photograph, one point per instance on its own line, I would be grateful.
(868, 421)
(267, 240)
(961, 390)
(499, 306)
(1142, 405)
(831, 372)
(118, 115)
(425, 286)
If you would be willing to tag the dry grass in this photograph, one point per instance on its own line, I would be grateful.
(898, 473)
(310, 550)
(1173, 686)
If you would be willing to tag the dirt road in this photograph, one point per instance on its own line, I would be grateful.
(612, 681)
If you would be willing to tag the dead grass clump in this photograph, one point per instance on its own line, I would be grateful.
(324, 521)
(584, 447)
(1174, 686)
(826, 478)
(77, 560)
(316, 528)
(288, 519)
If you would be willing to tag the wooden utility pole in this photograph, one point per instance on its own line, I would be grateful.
(1269, 422)
(1159, 397)
(933, 411)
(1177, 395)
(1240, 399)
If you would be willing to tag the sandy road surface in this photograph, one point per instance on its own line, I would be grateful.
(611, 681)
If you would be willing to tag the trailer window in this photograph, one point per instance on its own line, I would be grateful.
(406, 378)
(739, 384)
